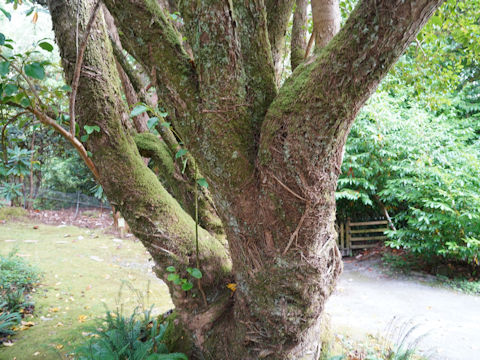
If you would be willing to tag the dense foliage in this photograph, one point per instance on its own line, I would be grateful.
(34, 157)
(424, 167)
(17, 273)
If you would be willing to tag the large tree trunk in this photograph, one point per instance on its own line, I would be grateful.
(272, 160)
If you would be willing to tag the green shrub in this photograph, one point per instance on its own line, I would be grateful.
(7, 321)
(424, 168)
(138, 336)
(16, 273)
(12, 212)
(14, 300)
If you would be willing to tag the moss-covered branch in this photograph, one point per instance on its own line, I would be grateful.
(178, 184)
(148, 35)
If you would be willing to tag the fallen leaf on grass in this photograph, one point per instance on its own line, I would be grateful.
(59, 346)
(36, 353)
(82, 318)
(59, 324)
(232, 286)
(8, 343)
(55, 309)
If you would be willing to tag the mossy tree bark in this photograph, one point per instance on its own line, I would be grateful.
(299, 34)
(272, 157)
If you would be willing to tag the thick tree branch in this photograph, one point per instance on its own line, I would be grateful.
(131, 94)
(179, 185)
(299, 34)
(326, 21)
(148, 35)
(78, 67)
(165, 229)
(251, 21)
(203, 101)
(278, 15)
(133, 75)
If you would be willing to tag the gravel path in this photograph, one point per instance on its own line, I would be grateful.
(366, 300)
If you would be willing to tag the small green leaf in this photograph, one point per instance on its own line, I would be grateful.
(171, 269)
(90, 129)
(46, 46)
(30, 11)
(2, 39)
(202, 182)
(180, 153)
(66, 88)
(25, 102)
(166, 124)
(196, 273)
(84, 138)
(6, 13)
(4, 68)
(139, 109)
(35, 70)
(10, 89)
(187, 286)
(163, 114)
(152, 122)
(173, 277)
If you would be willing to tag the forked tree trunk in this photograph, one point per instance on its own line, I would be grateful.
(272, 160)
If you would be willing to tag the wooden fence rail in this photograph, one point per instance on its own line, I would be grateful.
(360, 235)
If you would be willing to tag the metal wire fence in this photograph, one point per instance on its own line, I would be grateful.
(48, 199)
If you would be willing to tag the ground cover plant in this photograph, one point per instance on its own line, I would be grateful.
(17, 280)
(399, 341)
(83, 271)
(12, 212)
(137, 336)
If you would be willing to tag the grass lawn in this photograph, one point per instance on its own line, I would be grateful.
(84, 270)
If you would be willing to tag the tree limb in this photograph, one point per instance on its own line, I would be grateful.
(160, 50)
(278, 15)
(326, 21)
(78, 67)
(299, 34)
(47, 120)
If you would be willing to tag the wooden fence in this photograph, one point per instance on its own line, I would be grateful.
(360, 235)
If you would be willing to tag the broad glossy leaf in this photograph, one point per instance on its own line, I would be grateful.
(46, 46)
(35, 70)
(4, 68)
(139, 109)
